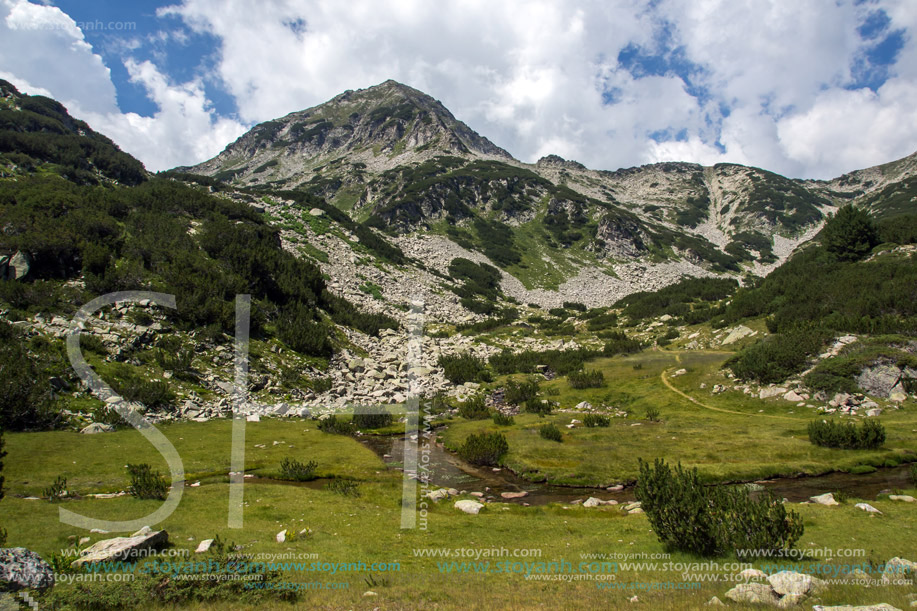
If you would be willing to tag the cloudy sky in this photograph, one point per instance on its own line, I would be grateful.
(809, 89)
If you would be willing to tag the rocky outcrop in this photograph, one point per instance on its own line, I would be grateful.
(24, 569)
(15, 267)
(122, 548)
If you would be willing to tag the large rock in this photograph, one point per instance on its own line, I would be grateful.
(467, 506)
(18, 266)
(879, 380)
(97, 427)
(737, 333)
(824, 499)
(437, 495)
(121, 548)
(788, 582)
(771, 391)
(898, 568)
(753, 593)
(23, 568)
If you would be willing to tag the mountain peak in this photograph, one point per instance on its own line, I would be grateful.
(382, 126)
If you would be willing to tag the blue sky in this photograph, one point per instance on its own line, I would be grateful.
(810, 89)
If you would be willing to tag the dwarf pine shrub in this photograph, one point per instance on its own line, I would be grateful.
(484, 449)
(550, 432)
(846, 435)
(712, 520)
(146, 483)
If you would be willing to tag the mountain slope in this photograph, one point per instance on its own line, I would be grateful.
(380, 127)
(38, 134)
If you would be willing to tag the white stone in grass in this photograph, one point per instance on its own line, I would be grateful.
(281, 536)
(753, 593)
(789, 582)
(468, 506)
(824, 499)
(203, 546)
(867, 508)
(748, 574)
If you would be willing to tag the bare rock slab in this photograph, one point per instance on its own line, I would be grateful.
(121, 548)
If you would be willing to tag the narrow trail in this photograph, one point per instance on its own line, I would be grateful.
(668, 384)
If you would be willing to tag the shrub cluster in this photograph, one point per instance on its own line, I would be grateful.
(619, 343)
(474, 409)
(594, 420)
(365, 417)
(484, 449)
(550, 432)
(295, 471)
(461, 368)
(833, 434)
(779, 356)
(538, 406)
(344, 487)
(334, 425)
(712, 520)
(674, 299)
(517, 393)
(560, 361)
(146, 483)
(589, 378)
(501, 419)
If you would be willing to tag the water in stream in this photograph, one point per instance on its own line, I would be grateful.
(449, 471)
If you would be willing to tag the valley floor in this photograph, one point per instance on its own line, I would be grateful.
(354, 554)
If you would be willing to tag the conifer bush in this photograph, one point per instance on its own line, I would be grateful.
(712, 520)
(484, 449)
(146, 483)
(295, 471)
(474, 409)
(589, 378)
(846, 435)
(501, 419)
(594, 420)
(550, 432)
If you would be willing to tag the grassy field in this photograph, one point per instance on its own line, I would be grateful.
(728, 436)
(366, 528)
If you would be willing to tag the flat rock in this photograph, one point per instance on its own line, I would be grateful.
(902, 497)
(737, 333)
(97, 427)
(788, 582)
(468, 506)
(514, 495)
(867, 508)
(753, 593)
(767, 393)
(753, 574)
(824, 499)
(23, 568)
(121, 548)
(898, 568)
(437, 495)
(203, 546)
